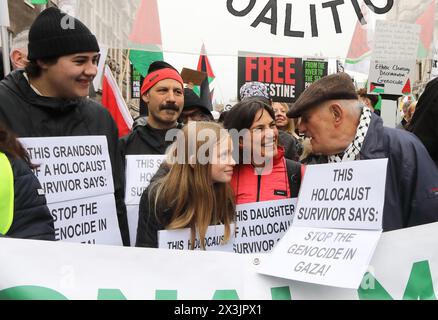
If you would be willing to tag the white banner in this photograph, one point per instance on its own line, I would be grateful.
(71, 167)
(261, 225)
(181, 239)
(404, 266)
(281, 27)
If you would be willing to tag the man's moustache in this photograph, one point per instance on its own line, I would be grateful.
(168, 106)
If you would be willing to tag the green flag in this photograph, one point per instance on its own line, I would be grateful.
(142, 59)
(38, 1)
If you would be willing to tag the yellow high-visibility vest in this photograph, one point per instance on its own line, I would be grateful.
(6, 194)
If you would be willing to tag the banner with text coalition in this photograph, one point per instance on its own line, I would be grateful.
(404, 266)
(312, 28)
(139, 171)
(76, 178)
(337, 225)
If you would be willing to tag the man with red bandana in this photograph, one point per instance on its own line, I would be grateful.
(163, 92)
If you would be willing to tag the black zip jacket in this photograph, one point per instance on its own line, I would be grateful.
(30, 115)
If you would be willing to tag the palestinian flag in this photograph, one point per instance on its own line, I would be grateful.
(204, 91)
(427, 23)
(146, 36)
(377, 87)
(359, 51)
(407, 89)
(112, 99)
(38, 1)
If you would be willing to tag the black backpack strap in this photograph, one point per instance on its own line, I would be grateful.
(294, 175)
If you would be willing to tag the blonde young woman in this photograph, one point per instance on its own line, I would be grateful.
(192, 189)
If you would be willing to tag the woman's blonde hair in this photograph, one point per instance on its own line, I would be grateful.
(188, 189)
(290, 128)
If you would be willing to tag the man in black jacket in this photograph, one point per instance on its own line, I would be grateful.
(48, 98)
(163, 92)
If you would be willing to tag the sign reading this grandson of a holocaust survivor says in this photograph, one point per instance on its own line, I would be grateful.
(76, 178)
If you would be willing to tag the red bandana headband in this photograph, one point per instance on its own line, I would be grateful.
(154, 77)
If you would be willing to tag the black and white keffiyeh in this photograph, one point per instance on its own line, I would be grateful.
(353, 150)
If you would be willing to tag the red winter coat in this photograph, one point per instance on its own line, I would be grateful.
(249, 187)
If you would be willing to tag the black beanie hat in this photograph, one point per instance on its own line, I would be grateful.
(191, 100)
(54, 34)
(158, 65)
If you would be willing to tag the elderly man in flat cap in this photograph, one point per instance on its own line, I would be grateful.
(342, 129)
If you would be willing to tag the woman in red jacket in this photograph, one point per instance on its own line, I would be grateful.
(262, 173)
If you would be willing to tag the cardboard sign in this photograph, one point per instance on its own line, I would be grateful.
(261, 225)
(283, 76)
(139, 171)
(193, 76)
(76, 176)
(347, 195)
(434, 71)
(71, 167)
(90, 220)
(330, 257)
(136, 83)
(313, 70)
(394, 58)
(327, 243)
(181, 239)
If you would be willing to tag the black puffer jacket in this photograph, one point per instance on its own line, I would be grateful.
(30, 115)
(32, 218)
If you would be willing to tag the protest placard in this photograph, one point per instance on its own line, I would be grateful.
(71, 167)
(333, 257)
(313, 70)
(394, 58)
(260, 225)
(180, 239)
(76, 177)
(90, 220)
(139, 171)
(282, 75)
(336, 227)
(348, 195)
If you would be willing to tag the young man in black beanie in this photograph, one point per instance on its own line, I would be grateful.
(49, 97)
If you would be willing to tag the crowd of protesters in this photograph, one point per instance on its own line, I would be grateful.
(256, 152)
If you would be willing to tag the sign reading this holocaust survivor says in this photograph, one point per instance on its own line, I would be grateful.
(76, 178)
(348, 195)
(260, 225)
(394, 57)
(180, 239)
(139, 171)
(282, 75)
